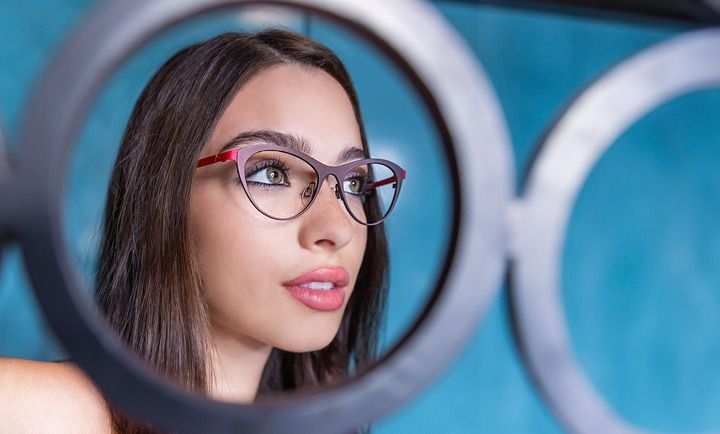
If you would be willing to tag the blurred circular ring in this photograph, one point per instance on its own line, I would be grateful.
(578, 139)
(469, 122)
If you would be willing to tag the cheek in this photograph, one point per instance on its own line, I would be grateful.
(223, 233)
(233, 245)
(236, 257)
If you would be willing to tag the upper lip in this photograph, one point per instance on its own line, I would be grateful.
(337, 275)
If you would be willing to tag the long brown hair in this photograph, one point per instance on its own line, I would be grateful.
(148, 283)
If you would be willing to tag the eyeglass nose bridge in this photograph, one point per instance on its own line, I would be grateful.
(312, 191)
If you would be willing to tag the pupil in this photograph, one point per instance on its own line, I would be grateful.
(274, 175)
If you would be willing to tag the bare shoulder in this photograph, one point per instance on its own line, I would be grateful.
(49, 397)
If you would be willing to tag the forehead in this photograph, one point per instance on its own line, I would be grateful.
(295, 100)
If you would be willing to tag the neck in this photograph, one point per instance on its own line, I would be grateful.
(236, 363)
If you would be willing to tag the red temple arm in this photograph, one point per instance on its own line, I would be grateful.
(385, 181)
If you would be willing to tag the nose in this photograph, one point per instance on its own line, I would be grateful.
(327, 224)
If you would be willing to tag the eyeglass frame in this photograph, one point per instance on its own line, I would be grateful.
(240, 155)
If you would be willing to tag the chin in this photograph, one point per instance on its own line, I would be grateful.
(307, 343)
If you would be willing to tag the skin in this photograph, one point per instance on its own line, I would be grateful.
(244, 256)
(40, 397)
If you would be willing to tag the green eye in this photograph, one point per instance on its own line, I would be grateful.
(272, 174)
(353, 185)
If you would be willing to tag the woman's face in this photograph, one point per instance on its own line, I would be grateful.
(253, 267)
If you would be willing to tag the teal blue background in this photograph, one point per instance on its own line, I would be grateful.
(641, 262)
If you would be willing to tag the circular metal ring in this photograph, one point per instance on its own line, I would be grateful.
(474, 138)
(579, 138)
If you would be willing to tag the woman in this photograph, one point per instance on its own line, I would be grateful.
(242, 247)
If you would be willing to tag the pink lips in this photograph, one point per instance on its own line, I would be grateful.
(320, 299)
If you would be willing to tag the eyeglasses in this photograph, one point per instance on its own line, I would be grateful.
(282, 183)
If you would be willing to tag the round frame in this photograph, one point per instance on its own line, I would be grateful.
(474, 138)
(620, 97)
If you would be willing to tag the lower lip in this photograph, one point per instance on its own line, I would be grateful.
(319, 299)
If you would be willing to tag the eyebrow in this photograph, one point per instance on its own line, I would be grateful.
(289, 141)
(349, 154)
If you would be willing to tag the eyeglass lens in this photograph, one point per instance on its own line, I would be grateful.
(282, 185)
